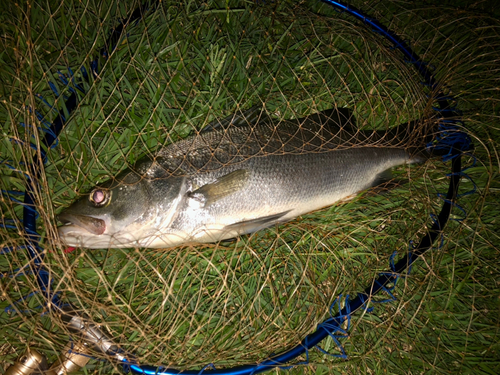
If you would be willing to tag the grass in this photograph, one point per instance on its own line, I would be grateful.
(237, 302)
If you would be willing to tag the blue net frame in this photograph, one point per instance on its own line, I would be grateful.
(451, 142)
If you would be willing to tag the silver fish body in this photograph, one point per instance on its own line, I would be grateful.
(246, 173)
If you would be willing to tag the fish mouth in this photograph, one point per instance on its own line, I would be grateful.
(90, 224)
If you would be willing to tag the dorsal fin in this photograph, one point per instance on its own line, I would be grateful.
(333, 119)
(240, 118)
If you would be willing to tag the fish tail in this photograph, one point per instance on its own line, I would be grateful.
(418, 155)
(418, 137)
(430, 145)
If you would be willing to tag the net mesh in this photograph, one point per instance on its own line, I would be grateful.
(176, 69)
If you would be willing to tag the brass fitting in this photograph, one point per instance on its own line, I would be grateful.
(30, 363)
(73, 358)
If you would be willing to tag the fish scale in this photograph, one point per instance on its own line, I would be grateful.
(289, 184)
(245, 173)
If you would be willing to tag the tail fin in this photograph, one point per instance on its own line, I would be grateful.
(450, 140)
(445, 140)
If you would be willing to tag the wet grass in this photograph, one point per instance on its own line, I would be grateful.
(237, 302)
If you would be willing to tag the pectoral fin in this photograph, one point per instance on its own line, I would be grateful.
(254, 225)
(222, 187)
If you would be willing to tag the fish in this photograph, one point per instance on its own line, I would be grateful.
(239, 175)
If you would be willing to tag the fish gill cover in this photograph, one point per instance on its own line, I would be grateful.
(169, 75)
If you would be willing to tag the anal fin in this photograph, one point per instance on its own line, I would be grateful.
(385, 182)
(383, 178)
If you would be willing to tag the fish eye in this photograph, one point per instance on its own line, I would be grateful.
(100, 197)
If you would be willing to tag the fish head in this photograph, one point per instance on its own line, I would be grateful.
(120, 213)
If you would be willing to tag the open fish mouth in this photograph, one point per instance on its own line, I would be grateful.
(89, 232)
(88, 223)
